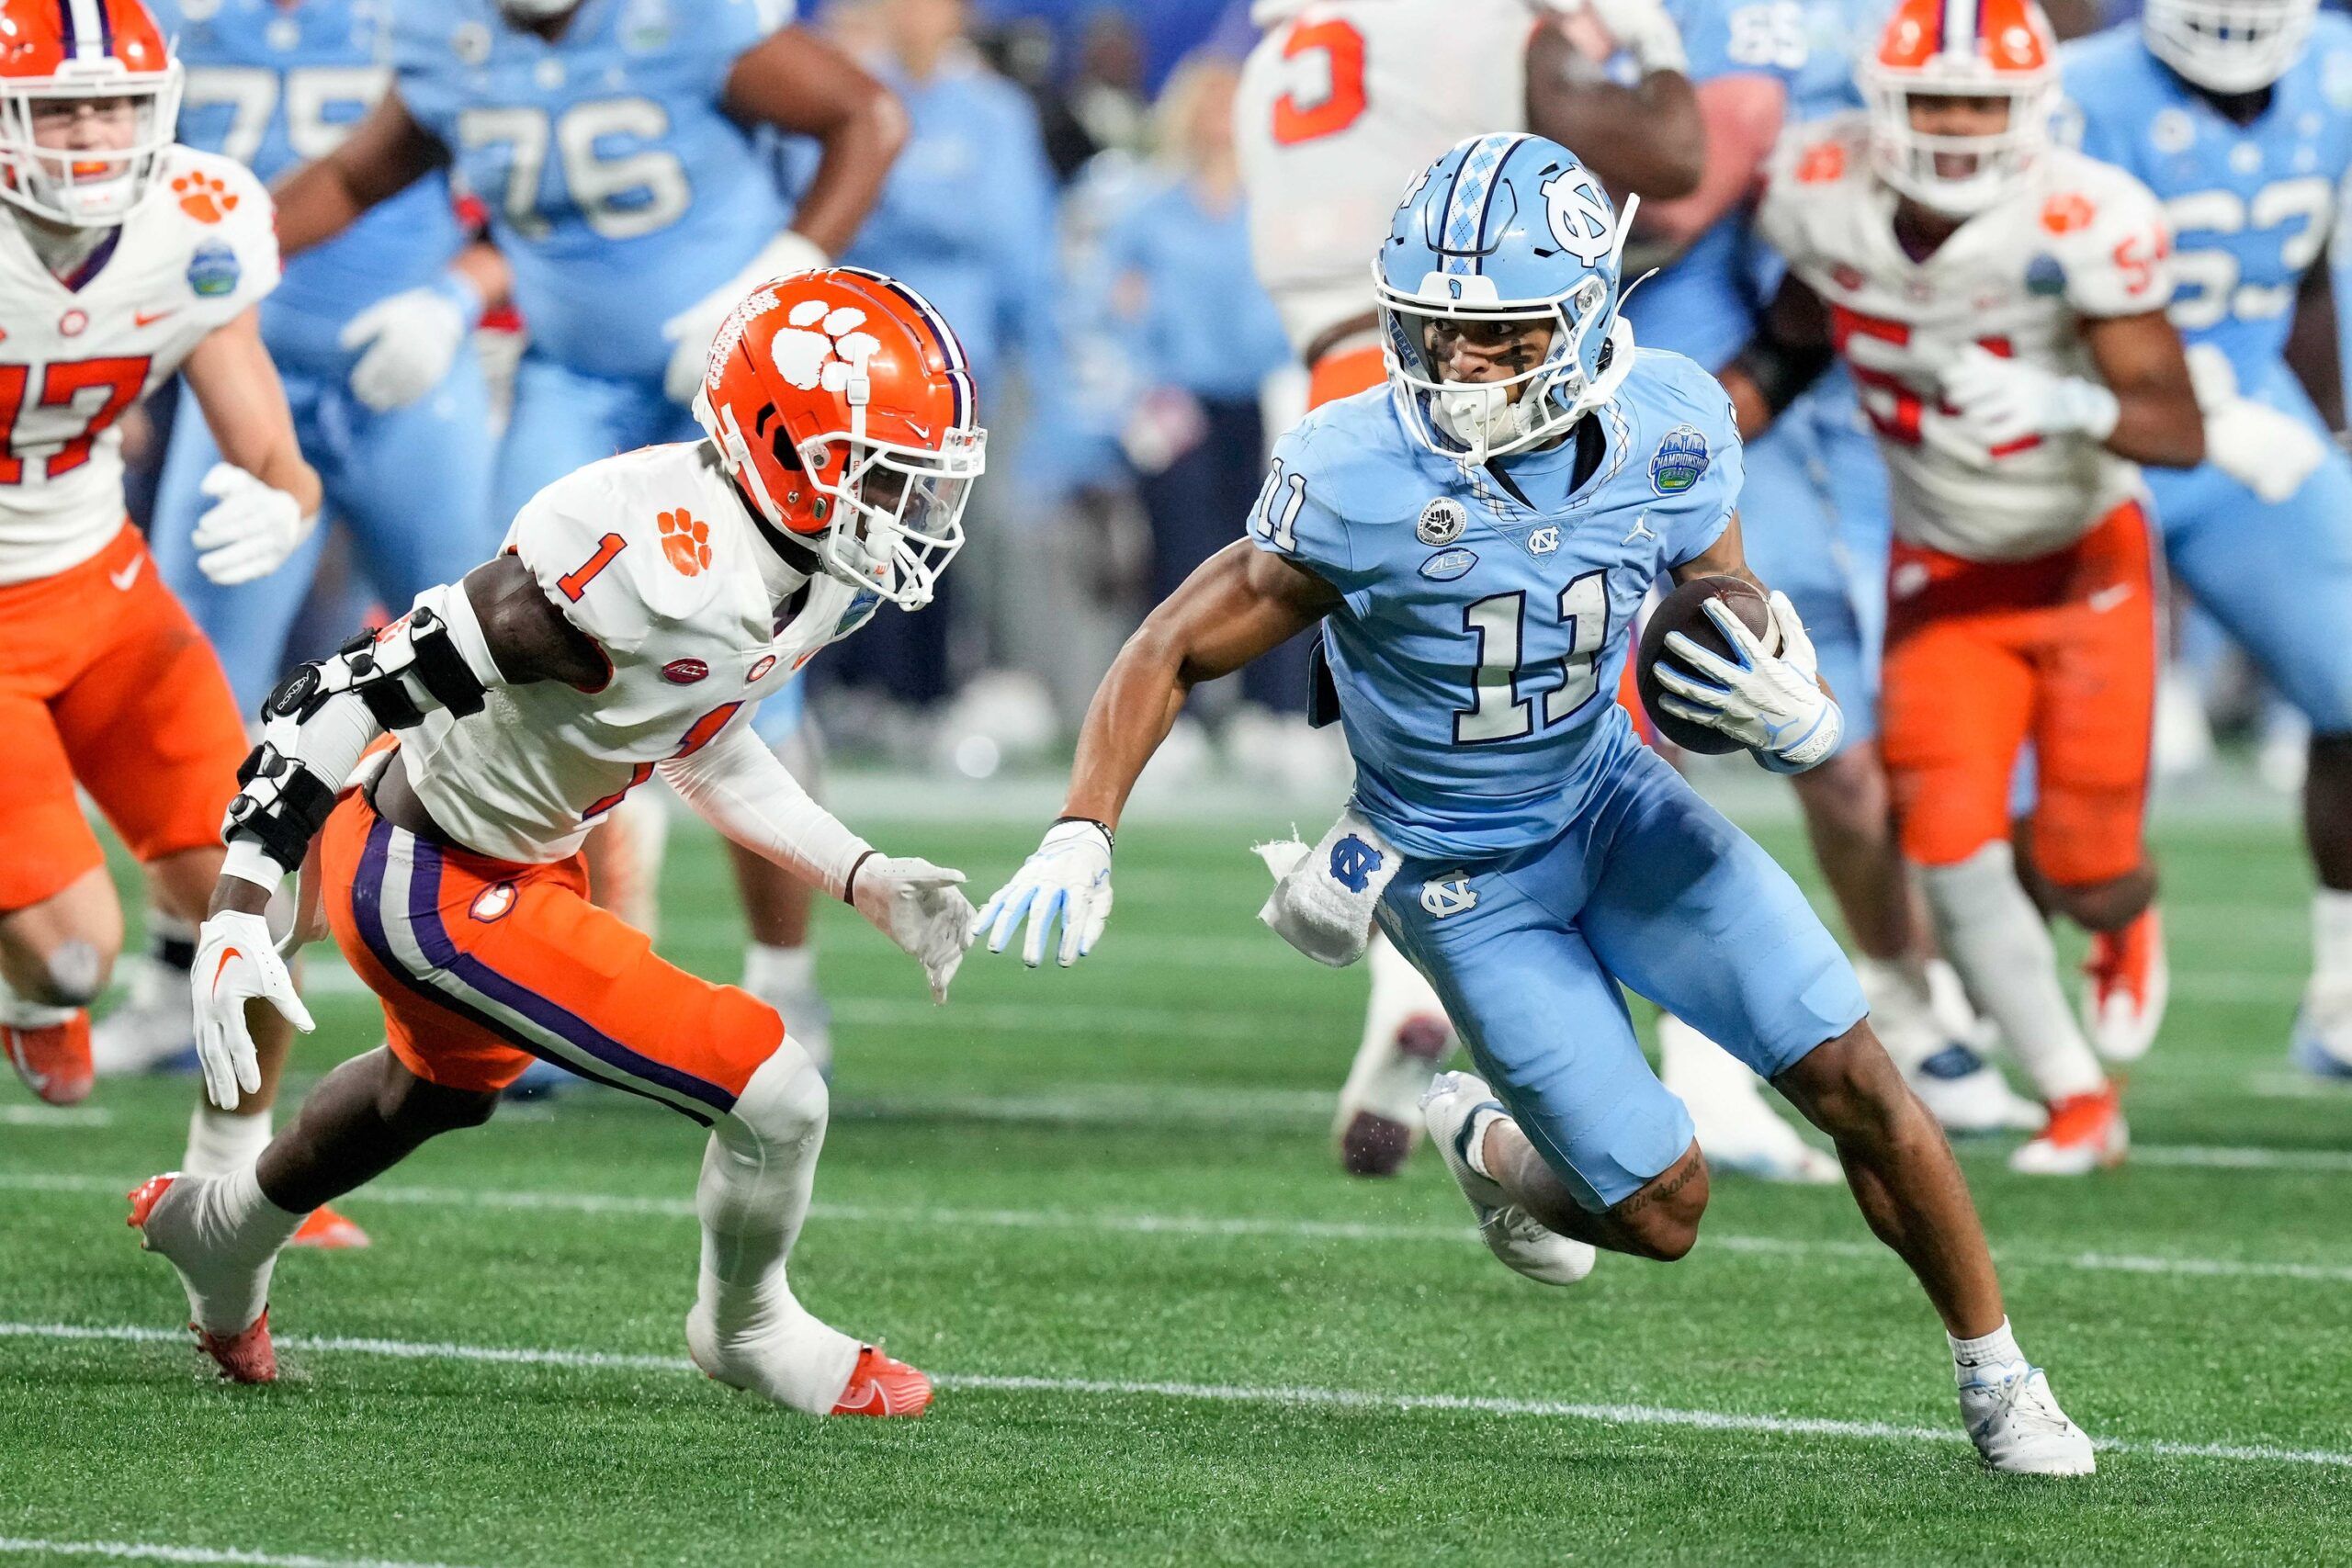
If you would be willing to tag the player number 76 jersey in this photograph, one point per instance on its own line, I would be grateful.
(2081, 240)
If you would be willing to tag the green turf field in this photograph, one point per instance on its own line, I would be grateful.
(1099, 1205)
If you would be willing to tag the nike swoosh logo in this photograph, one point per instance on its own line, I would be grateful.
(130, 574)
(2107, 599)
(226, 955)
(874, 1400)
(149, 318)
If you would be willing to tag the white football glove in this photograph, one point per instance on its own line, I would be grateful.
(1770, 702)
(2268, 451)
(407, 343)
(1069, 878)
(1996, 400)
(1642, 30)
(250, 528)
(921, 908)
(235, 961)
(693, 328)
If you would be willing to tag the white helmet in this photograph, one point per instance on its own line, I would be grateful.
(1946, 48)
(64, 51)
(2228, 46)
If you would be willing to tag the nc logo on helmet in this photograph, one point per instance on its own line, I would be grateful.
(1580, 217)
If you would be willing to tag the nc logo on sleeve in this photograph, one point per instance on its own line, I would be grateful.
(1352, 864)
(1448, 895)
(1679, 461)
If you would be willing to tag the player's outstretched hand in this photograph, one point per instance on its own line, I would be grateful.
(921, 908)
(406, 343)
(1067, 879)
(236, 962)
(250, 528)
(1770, 702)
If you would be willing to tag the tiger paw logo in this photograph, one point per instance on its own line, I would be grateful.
(204, 198)
(822, 346)
(685, 542)
(2067, 211)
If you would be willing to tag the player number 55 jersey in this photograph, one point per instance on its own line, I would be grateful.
(2082, 239)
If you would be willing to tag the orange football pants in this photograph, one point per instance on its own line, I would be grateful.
(482, 965)
(1983, 656)
(106, 678)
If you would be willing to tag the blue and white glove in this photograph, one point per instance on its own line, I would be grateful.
(1067, 879)
(1770, 700)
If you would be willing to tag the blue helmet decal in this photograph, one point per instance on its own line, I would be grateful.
(1503, 228)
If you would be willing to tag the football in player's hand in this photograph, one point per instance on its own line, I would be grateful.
(1684, 610)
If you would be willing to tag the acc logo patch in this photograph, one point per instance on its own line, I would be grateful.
(492, 902)
(1447, 565)
(1352, 864)
(1443, 521)
(685, 672)
(760, 667)
(213, 270)
(1679, 461)
(1448, 895)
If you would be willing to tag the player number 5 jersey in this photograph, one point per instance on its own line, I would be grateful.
(2081, 240)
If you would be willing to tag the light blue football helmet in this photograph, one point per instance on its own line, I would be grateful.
(1504, 227)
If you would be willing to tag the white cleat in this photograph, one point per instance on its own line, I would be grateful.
(2321, 1044)
(1736, 1126)
(1405, 1038)
(1458, 1107)
(1968, 1096)
(2015, 1422)
(150, 1030)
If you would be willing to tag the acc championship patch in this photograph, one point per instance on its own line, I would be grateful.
(1443, 521)
(2045, 277)
(1679, 460)
(1447, 565)
(861, 609)
(213, 270)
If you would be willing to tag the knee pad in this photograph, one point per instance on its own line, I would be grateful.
(74, 975)
(784, 1102)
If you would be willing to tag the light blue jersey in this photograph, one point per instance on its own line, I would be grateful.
(1479, 653)
(2251, 208)
(274, 85)
(618, 187)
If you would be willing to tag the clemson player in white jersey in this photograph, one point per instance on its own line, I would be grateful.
(122, 259)
(1999, 300)
(641, 607)
(1340, 103)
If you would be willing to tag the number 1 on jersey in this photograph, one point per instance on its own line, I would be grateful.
(575, 584)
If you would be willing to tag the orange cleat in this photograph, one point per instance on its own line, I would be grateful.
(880, 1386)
(2130, 982)
(246, 1356)
(53, 1059)
(2086, 1132)
(327, 1231)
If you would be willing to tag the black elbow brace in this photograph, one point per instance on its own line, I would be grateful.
(410, 666)
(280, 806)
(1780, 372)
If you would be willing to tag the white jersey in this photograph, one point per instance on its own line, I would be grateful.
(198, 250)
(1340, 106)
(2082, 239)
(651, 555)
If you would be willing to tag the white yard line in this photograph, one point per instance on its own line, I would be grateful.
(1279, 1228)
(54, 1116)
(157, 1551)
(1238, 1394)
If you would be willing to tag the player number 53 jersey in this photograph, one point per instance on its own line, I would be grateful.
(651, 555)
(193, 255)
(2082, 239)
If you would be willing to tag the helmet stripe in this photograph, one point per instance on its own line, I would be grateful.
(83, 25)
(1959, 26)
(1466, 203)
(951, 348)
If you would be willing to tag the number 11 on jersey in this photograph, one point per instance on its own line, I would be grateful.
(1499, 624)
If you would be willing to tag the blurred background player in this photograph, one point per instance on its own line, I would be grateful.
(639, 610)
(125, 258)
(1340, 103)
(2235, 114)
(2000, 303)
(371, 335)
(617, 149)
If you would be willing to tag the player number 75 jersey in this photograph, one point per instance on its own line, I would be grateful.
(2080, 240)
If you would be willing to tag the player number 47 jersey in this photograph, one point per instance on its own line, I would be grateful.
(2081, 240)
(651, 555)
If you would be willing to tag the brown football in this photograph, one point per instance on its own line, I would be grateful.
(1684, 610)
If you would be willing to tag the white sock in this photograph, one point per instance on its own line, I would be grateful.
(1998, 941)
(1987, 1352)
(233, 1234)
(772, 971)
(221, 1141)
(24, 1014)
(756, 1176)
(2331, 939)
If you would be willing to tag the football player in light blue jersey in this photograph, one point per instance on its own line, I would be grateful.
(1758, 64)
(2238, 114)
(617, 145)
(369, 335)
(1474, 539)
